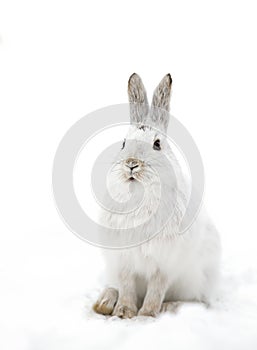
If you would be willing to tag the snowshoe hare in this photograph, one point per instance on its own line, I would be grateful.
(168, 268)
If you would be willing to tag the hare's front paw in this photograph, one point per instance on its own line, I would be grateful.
(149, 309)
(125, 311)
(148, 312)
(106, 302)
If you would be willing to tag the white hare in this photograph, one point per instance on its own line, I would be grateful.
(168, 268)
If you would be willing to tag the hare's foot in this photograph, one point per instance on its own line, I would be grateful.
(150, 309)
(153, 300)
(148, 313)
(126, 306)
(123, 310)
(174, 306)
(106, 302)
(154, 310)
(171, 306)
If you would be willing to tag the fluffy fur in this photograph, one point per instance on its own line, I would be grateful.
(168, 267)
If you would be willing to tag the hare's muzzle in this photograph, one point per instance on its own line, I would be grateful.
(133, 165)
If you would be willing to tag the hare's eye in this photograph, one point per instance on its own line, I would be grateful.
(157, 145)
(123, 144)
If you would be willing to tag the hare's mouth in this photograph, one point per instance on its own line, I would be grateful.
(131, 178)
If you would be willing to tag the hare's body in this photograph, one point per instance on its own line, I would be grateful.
(189, 263)
(168, 266)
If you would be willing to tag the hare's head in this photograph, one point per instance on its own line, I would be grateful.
(145, 145)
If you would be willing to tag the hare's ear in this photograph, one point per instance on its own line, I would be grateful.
(137, 99)
(161, 103)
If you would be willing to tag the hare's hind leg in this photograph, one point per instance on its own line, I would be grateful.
(106, 301)
(174, 306)
(171, 306)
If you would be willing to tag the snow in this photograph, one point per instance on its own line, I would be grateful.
(48, 289)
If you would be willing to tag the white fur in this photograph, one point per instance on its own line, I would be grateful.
(168, 267)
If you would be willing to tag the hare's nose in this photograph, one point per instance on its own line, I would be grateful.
(132, 163)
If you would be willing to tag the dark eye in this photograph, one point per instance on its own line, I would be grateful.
(157, 145)
(123, 144)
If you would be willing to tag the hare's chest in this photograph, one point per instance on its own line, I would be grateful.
(151, 257)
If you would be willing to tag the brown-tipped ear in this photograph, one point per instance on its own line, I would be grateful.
(161, 102)
(137, 99)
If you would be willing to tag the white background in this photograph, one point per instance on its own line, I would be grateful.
(60, 60)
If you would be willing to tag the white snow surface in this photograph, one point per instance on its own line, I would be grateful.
(50, 281)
